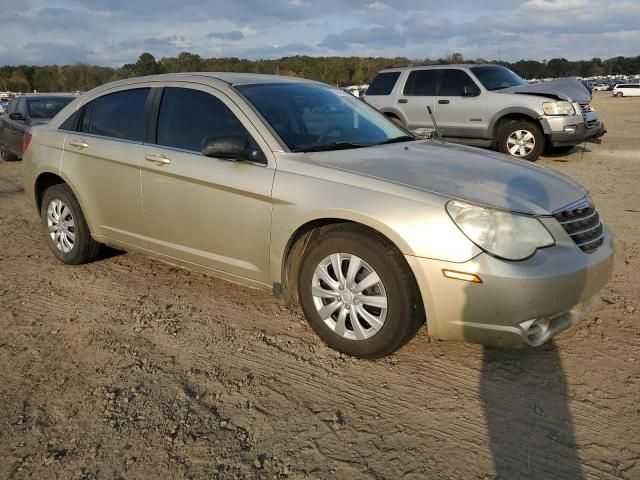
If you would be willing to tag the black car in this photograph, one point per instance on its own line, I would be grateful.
(22, 113)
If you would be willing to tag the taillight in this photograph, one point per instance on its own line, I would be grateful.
(26, 141)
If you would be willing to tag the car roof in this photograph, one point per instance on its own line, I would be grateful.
(439, 66)
(230, 78)
(47, 95)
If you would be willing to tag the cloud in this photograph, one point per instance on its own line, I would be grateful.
(233, 35)
(553, 5)
(114, 32)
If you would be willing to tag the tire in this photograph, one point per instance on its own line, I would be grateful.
(59, 208)
(396, 120)
(396, 324)
(619, 94)
(5, 154)
(529, 132)
(559, 150)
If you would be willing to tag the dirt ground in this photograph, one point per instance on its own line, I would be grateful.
(129, 368)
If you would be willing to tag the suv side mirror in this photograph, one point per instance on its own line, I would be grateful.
(470, 91)
(235, 148)
(16, 116)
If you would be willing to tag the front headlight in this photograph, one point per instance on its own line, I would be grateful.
(503, 234)
(558, 108)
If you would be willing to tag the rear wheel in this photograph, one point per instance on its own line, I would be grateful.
(5, 154)
(521, 139)
(396, 120)
(65, 227)
(358, 293)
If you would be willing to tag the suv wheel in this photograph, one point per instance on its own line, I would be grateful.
(619, 94)
(521, 139)
(65, 227)
(396, 120)
(358, 293)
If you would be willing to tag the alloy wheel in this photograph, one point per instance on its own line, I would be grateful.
(521, 143)
(61, 226)
(349, 296)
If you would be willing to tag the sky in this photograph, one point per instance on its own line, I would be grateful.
(114, 32)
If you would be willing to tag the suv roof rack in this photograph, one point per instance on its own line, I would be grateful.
(432, 63)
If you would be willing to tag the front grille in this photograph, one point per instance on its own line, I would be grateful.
(583, 225)
(593, 123)
(585, 107)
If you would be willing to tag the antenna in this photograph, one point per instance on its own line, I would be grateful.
(435, 125)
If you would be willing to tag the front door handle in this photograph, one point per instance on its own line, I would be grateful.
(403, 100)
(157, 159)
(79, 144)
(443, 102)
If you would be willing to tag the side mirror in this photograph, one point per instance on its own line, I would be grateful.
(235, 148)
(472, 91)
(16, 116)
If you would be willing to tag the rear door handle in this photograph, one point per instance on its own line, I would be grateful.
(403, 100)
(79, 144)
(443, 102)
(157, 159)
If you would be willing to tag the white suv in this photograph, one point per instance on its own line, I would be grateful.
(627, 90)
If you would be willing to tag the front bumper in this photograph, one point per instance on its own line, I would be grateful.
(573, 130)
(554, 288)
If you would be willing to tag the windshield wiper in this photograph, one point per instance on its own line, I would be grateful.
(331, 146)
(401, 138)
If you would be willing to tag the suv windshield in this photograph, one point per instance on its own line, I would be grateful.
(47, 107)
(496, 78)
(310, 117)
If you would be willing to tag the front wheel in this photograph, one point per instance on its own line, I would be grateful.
(521, 139)
(358, 293)
(619, 94)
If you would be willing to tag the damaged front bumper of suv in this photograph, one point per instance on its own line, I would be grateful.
(566, 131)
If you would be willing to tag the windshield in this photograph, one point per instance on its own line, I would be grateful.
(496, 78)
(47, 107)
(310, 117)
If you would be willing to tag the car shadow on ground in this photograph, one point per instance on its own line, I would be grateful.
(525, 399)
(524, 392)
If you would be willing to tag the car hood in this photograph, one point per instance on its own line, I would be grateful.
(466, 173)
(570, 89)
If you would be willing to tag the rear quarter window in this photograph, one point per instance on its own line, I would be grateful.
(383, 83)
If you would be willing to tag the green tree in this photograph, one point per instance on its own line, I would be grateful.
(147, 65)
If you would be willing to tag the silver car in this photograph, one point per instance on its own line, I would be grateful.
(297, 187)
(488, 106)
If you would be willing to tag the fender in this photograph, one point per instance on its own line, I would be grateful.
(517, 110)
(282, 242)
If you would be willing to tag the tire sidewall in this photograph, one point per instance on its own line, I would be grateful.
(509, 128)
(400, 294)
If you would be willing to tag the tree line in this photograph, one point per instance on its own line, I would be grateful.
(341, 71)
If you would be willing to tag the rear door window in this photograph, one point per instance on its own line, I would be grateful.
(456, 83)
(421, 83)
(117, 115)
(383, 83)
(188, 117)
